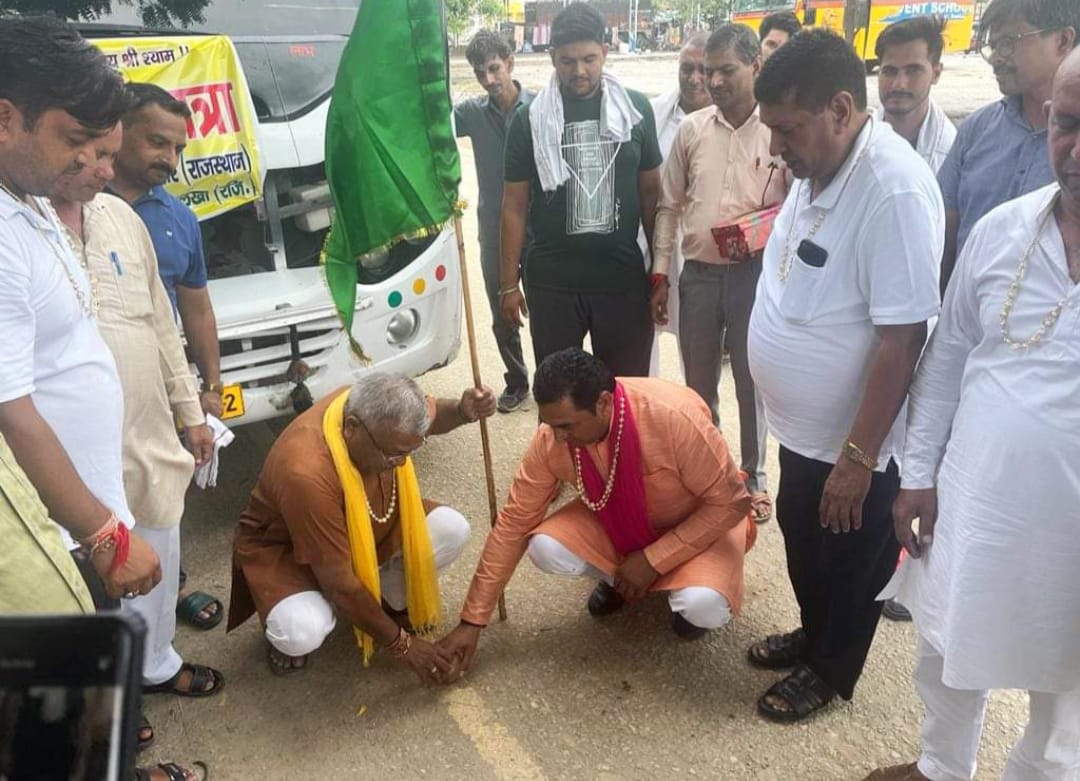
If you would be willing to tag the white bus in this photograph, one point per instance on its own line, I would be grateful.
(281, 340)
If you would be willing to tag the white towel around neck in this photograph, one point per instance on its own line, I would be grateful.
(618, 116)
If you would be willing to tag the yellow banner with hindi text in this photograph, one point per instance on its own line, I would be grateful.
(219, 169)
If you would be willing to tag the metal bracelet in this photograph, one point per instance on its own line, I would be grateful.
(401, 644)
(855, 453)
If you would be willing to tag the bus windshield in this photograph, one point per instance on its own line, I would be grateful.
(760, 6)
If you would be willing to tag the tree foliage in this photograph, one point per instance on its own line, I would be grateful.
(686, 12)
(459, 14)
(152, 13)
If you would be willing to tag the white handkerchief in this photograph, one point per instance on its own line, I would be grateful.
(906, 584)
(207, 474)
(896, 582)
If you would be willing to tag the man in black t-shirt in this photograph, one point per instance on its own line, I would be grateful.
(582, 172)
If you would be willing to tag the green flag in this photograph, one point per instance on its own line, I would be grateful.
(391, 159)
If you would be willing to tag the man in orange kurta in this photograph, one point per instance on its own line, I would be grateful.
(694, 514)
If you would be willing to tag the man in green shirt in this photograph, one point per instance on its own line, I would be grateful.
(582, 171)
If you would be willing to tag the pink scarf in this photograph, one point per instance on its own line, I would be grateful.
(624, 517)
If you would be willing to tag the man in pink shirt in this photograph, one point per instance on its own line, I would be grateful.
(661, 505)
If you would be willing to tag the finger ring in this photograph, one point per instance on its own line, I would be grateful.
(434, 670)
(130, 594)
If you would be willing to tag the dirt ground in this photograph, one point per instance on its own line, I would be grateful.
(555, 694)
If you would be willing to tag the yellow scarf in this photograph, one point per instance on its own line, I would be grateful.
(421, 577)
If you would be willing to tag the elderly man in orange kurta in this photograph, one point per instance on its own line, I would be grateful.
(660, 504)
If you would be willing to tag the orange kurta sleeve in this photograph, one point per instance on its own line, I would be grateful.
(707, 470)
(534, 489)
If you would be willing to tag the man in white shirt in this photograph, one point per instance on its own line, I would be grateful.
(719, 171)
(61, 408)
(990, 471)
(910, 56)
(670, 110)
(135, 318)
(848, 281)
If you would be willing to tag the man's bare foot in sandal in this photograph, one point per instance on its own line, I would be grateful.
(761, 507)
(144, 738)
(199, 609)
(283, 664)
(191, 680)
(170, 771)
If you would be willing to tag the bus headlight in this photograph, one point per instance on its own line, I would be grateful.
(402, 327)
(375, 259)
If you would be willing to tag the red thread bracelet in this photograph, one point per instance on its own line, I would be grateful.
(655, 280)
(121, 538)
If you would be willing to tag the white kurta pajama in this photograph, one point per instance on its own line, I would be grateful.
(669, 115)
(996, 598)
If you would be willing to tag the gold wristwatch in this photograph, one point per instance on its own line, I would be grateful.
(853, 452)
(212, 387)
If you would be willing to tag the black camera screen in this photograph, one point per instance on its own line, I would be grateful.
(56, 733)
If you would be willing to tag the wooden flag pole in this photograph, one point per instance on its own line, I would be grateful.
(489, 472)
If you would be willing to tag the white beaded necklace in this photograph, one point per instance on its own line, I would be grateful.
(89, 305)
(609, 485)
(788, 257)
(1014, 291)
(380, 519)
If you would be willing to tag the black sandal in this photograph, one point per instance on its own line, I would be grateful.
(174, 772)
(201, 675)
(803, 691)
(778, 652)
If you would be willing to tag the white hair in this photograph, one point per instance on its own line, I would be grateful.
(394, 399)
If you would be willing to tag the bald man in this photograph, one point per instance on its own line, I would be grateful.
(991, 474)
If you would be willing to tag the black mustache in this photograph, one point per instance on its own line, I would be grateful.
(899, 95)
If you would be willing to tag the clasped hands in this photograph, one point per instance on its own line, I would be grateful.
(456, 651)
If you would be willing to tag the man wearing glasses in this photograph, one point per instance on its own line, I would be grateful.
(336, 526)
(1000, 151)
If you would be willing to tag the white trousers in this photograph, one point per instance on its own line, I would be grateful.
(701, 606)
(1049, 749)
(158, 608)
(298, 624)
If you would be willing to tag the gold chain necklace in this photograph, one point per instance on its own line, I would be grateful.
(609, 485)
(380, 519)
(1052, 316)
(10, 194)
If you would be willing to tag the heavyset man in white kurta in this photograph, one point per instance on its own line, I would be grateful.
(993, 452)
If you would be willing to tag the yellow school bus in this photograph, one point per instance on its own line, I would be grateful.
(861, 21)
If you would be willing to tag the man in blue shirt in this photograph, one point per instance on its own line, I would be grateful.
(485, 120)
(155, 134)
(1000, 151)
